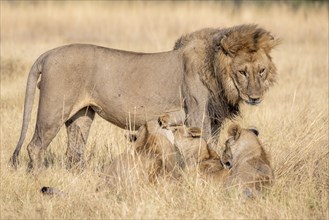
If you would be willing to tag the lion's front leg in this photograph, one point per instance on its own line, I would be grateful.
(196, 108)
(198, 117)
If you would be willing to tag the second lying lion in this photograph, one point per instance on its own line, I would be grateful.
(159, 152)
(153, 155)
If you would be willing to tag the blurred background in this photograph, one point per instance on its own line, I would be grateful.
(147, 25)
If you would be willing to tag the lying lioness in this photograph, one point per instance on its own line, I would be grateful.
(153, 155)
(251, 169)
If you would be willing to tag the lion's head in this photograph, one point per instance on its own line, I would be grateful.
(241, 60)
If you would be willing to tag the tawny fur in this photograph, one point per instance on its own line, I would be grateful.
(207, 74)
(251, 169)
(152, 157)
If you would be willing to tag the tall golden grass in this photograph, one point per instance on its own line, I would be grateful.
(292, 120)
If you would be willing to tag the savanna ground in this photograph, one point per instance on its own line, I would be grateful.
(292, 119)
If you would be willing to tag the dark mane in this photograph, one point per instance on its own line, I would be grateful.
(203, 47)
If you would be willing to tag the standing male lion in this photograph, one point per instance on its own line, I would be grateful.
(207, 74)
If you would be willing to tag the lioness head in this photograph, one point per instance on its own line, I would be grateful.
(251, 168)
(243, 58)
(242, 140)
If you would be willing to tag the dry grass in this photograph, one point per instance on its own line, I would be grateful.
(293, 119)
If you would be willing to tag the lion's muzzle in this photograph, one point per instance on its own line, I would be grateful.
(253, 101)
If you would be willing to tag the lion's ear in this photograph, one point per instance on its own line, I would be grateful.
(194, 132)
(222, 43)
(266, 41)
(234, 131)
(249, 38)
(228, 47)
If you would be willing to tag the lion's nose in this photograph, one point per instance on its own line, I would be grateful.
(228, 165)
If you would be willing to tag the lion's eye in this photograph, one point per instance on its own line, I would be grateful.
(262, 72)
(242, 72)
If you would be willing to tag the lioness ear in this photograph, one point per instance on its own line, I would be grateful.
(194, 132)
(234, 131)
(254, 130)
(164, 120)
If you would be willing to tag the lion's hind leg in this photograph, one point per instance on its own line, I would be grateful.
(42, 137)
(51, 117)
(78, 127)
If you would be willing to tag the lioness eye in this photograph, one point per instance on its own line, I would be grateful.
(261, 72)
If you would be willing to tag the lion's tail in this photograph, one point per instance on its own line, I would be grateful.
(28, 104)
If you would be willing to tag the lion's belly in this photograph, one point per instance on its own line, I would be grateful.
(126, 112)
(131, 104)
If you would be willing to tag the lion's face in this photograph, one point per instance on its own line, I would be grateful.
(248, 76)
(252, 75)
(243, 58)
